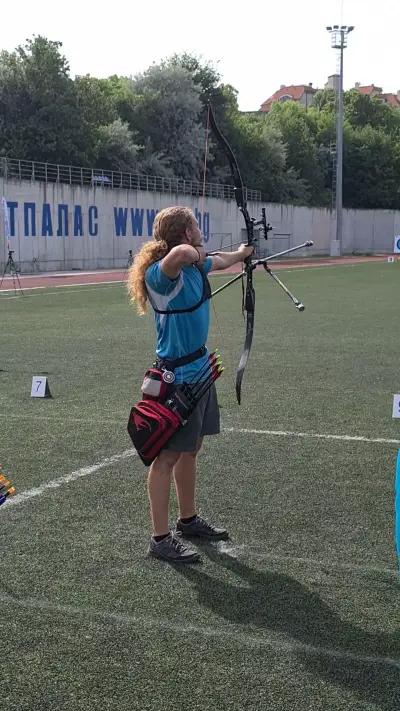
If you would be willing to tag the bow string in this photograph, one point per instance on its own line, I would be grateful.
(249, 293)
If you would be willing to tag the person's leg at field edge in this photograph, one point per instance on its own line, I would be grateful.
(158, 488)
(163, 544)
(184, 471)
(189, 523)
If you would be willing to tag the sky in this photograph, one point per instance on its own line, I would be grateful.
(256, 45)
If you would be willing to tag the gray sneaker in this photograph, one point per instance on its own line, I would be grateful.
(172, 550)
(200, 528)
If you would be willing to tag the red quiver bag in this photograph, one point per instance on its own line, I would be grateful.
(150, 426)
(165, 408)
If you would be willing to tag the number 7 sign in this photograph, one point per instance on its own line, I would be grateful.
(40, 386)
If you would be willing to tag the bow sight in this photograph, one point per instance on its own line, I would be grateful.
(265, 226)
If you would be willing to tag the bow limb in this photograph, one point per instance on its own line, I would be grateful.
(236, 175)
(250, 299)
(249, 296)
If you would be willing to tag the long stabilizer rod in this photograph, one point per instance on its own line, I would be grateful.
(309, 243)
(264, 261)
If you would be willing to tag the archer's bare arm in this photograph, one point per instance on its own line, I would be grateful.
(223, 261)
(180, 256)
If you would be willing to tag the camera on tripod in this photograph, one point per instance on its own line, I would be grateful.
(12, 270)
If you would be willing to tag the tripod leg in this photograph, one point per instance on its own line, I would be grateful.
(7, 268)
(15, 276)
(296, 302)
(10, 266)
(19, 283)
(5, 271)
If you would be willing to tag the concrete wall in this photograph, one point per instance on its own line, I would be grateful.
(62, 227)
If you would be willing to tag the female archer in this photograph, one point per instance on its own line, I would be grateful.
(170, 272)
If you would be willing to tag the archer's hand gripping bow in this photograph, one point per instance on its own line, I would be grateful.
(249, 297)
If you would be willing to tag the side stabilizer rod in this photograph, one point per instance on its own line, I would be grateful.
(298, 304)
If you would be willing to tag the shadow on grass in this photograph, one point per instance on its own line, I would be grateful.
(278, 602)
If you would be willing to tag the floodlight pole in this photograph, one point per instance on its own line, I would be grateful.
(339, 41)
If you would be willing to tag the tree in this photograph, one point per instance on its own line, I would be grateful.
(361, 110)
(167, 112)
(151, 163)
(371, 172)
(261, 155)
(120, 94)
(116, 149)
(95, 101)
(40, 118)
(324, 100)
(371, 147)
(203, 74)
(156, 123)
(302, 151)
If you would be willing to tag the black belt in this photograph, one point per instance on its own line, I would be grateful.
(168, 364)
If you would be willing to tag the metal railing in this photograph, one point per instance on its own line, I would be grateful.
(13, 169)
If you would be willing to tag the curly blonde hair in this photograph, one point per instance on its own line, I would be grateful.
(168, 231)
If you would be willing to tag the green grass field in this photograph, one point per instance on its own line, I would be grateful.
(300, 612)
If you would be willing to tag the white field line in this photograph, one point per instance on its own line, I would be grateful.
(72, 476)
(93, 283)
(254, 641)
(62, 275)
(26, 288)
(122, 281)
(284, 433)
(229, 549)
(322, 266)
(45, 290)
(71, 420)
(84, 471)
(305, 268)
(233, 430)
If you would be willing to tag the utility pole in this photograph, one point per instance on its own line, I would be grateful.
(339, 42)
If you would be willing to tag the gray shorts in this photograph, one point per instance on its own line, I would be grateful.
(203, 421)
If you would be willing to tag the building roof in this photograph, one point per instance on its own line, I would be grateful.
(295, 92)
(391, 99)
(370, 90)
(376, 91)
